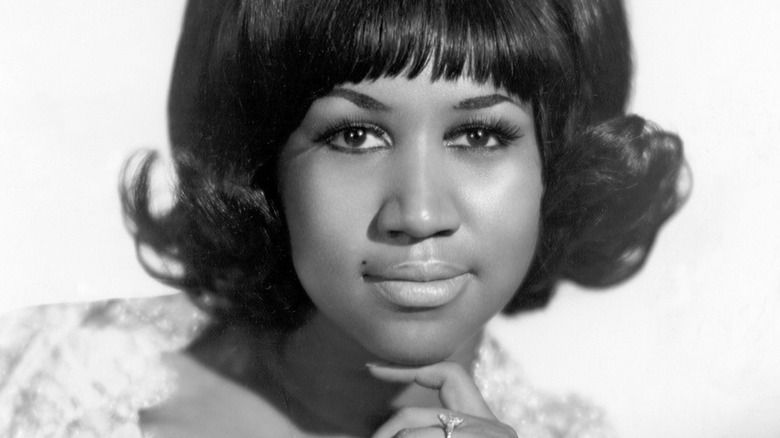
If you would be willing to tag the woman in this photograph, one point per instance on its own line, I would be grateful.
(361, 187)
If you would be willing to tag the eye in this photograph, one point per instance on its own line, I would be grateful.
(483, 134)
(357, 138)
(476, 138)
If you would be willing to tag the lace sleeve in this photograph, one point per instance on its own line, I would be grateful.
(530, 412)
(86, 369)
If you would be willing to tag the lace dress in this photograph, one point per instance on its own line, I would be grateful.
(85, 370)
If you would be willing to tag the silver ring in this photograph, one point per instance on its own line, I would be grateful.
(449, 421)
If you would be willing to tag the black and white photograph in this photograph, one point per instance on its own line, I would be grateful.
(390, 218)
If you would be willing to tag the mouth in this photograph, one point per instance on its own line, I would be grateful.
(419, 285)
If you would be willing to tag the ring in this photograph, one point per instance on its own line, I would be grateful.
(450, 422)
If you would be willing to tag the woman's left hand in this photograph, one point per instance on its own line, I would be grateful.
(459, 397)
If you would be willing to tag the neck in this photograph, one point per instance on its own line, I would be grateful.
(316, 375)
(324, 373)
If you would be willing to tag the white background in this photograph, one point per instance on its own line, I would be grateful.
(689, 348)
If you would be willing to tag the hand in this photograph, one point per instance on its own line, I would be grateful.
(458, 394)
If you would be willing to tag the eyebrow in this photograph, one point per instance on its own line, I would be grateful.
(480, 102)
(359, 99)
(369, 103)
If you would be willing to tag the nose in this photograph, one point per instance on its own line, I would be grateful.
(420, 200)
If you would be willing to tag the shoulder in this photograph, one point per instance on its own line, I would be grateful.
(206, 403)
(531, 412)
(225, 387)
(88, 368)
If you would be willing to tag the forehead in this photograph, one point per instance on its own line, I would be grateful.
(423, 86)
(388, 93)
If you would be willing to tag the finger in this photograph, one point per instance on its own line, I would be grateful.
(407, 420)
(424, 422)
(420, 432)
(457, 391)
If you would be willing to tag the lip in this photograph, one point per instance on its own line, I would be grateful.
(419, 284)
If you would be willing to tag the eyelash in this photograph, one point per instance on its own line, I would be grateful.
(330, 132)
(504, 131)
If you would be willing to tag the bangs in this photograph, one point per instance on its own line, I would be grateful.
(518, 45)
(246, 71)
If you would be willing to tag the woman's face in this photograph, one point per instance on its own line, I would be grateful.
(413, 211)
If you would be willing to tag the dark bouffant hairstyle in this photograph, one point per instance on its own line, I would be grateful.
(246, 72)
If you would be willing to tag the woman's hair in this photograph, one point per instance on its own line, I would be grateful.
(246, 72)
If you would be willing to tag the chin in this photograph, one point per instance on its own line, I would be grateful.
(420, 347)
(407, 357)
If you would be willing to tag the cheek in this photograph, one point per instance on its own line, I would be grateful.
(505, 218)
(510, 216)
(326, 220)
